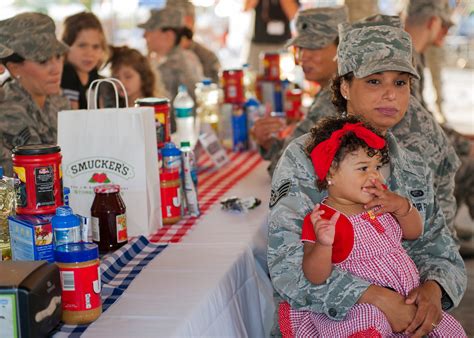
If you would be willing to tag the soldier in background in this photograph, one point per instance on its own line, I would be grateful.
(428, 22)
(31, 99)
(316, 45)
(209, 60)
(163, 36)
(360, 9)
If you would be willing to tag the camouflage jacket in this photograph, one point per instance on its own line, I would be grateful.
(210, 62)
(421, 133)
(23, 122)
(321, 107)
(294, 195)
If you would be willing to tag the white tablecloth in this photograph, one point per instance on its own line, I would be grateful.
(213, 283)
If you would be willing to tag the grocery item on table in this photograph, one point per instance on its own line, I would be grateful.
(233, 84)
(190, 180)
(80, 281)
(7, 205)
(31, 237)
(207, 101)
(170, 184)
(66, 226)
(38, 170)
(162, 117)
(108, 218)
(183, 105)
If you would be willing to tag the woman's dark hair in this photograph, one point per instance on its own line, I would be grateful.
(177, 31)
(14, 58)
(349, 142)
(124, 55)
(337, 99)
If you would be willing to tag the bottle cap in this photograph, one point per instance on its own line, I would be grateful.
(182, 88)
(206, 81)
(65, 218)
(76, 252)
(185, 144)
(252, 102)
(169, 149)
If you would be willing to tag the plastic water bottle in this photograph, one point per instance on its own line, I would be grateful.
(66, 226)
(183, 106)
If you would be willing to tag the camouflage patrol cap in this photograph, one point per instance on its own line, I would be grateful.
(370, 49)
(164, 18)
(185, 6)
(32, 36)
(317, 27)
(426, 8)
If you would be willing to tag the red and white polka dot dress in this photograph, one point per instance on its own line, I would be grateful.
(377, 256)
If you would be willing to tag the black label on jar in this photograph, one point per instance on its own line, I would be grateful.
(44, 181)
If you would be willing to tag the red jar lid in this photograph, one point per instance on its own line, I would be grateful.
(107, 189)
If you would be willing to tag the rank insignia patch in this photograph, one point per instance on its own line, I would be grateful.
(282, 191)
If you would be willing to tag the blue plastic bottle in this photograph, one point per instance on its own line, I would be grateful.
(66, 226)
(171, 157)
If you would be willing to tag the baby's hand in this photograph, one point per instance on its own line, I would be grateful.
(387, 200)
(323, 228)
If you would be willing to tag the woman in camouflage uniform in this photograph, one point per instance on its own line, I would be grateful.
(374, 63)
(31, 99)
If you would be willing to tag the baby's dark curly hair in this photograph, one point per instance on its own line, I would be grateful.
(349, 142)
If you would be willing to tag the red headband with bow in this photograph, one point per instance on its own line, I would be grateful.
(323, 154)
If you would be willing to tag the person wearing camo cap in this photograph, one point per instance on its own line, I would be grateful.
(32, 96)
(428, 22)
(374, 74)
(316, 44)
(208, 59)
(163, 35)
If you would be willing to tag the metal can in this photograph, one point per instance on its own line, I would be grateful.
(293, 101)
(108, 218)
(271, 66)
(170, 187)
(162, 117)
(39, 186)
(233, 83)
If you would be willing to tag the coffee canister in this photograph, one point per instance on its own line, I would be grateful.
(38, 170)
(162, 117)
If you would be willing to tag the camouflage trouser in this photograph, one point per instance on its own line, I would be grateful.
(464, 187)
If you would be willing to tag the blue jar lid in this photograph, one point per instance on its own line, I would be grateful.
(170, 149)
(76, 252)
(206, 81)
(65, 218)
(252, 102)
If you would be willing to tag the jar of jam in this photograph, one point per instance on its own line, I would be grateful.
(80, 282)
(108, 219)
(170, 196)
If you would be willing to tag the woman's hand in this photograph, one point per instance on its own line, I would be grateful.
(325, 229)
(427, 298)
(399, 314)
(265, 130)
(386, 199)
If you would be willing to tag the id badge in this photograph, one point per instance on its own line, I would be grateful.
(275, 28)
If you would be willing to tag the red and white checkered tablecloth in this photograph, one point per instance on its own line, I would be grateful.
(212, 185)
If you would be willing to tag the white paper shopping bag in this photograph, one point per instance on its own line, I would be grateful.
(118, 146)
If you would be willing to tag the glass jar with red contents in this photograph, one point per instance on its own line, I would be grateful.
(108, 218)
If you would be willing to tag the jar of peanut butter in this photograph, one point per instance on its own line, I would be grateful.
(80, 281)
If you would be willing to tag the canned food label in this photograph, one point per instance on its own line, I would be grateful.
(95, 229)
(121, 221)
(44, 182)
(80, 288)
